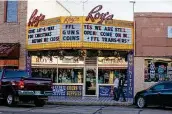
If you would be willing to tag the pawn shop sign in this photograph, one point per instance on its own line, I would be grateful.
(94, 14)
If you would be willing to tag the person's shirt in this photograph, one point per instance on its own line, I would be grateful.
(116, 82)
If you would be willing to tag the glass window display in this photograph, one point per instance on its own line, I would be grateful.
(106, 76)
(70, 75)
(45, 73)
(157, 70)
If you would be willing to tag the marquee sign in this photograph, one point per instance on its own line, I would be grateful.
(71, 32)
(44, 34)
(107, 34)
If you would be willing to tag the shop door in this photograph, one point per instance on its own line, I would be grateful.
(90, 81)
(90, 76)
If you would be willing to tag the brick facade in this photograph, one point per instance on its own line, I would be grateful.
(151, 41)
(151, 34)
(15, 32)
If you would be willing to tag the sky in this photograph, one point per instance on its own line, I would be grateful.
(122, 9)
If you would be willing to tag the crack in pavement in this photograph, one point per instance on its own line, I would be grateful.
(100, 109)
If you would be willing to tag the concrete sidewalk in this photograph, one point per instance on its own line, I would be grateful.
(88, 101)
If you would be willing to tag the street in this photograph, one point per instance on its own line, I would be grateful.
(56, 109)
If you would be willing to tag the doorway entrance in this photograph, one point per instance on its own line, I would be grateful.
(90, 81)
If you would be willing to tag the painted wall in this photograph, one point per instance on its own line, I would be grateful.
(50, 8)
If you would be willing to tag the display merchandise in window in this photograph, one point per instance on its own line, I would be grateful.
(156, 70)
(45, 73)
(70, 75)
(107, 76)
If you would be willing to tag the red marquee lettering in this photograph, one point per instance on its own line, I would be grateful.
(34, 19)
(94, 14)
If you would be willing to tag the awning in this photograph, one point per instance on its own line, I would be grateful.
(9, 50)
(9, 63)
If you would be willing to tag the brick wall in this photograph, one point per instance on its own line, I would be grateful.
(151, 40)
(15, 32)
(151, 34)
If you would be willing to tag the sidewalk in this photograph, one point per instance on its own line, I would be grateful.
(105, 101)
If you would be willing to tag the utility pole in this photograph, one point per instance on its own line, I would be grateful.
(133, 2)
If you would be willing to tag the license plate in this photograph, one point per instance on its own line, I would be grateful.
(37, 92)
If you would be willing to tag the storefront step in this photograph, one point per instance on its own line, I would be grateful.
(87, 101)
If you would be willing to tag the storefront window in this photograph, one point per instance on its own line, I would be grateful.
(70, 75)
(107, 76)
(45, 73)
(157, 69)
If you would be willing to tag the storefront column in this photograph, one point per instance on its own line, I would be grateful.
(97, 83)
(84, 79)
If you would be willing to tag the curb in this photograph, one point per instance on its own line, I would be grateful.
(90, 103)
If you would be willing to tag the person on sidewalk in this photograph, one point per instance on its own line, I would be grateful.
(122, 80)
(116, 83)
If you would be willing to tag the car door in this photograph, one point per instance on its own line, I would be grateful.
(167, 94)
(153, 96)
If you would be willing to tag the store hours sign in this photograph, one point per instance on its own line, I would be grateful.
(44, 34)
(107, 34)
(71, 32)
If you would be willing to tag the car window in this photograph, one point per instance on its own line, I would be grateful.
(13, 74)
(159, 87)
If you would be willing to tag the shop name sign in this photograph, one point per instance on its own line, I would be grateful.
(70, 60)
(44, 34)
(107, 34)
(94, 15)
(111, 60)
(44, 60)
(35, 19)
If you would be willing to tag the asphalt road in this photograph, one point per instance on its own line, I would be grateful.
(55, 109)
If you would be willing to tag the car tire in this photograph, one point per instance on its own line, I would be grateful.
(39, 103)
(10, 100)
(141, 102)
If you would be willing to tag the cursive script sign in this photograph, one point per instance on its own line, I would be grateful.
(34, 19)
(94, 14)
(71, 19)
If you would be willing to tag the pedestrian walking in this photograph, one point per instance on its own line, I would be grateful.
(116, 84)
(122, 80)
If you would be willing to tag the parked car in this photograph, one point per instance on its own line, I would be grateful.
(16, 85)
(159, 94)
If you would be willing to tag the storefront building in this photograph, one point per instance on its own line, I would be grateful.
(13, 17)
(82, 55)
(152, 61)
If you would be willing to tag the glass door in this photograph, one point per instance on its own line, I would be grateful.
(90, 81)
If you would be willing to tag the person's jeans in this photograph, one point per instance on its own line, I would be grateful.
(115, 93)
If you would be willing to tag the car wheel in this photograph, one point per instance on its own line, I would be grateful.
(10, 100)
(39, 103)
(141, 103)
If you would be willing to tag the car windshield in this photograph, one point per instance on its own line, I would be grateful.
(13, 74)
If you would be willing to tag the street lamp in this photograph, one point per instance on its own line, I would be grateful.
(133, 2)
(83, 3)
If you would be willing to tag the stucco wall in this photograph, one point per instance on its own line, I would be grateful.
(15, 32)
